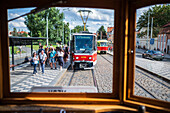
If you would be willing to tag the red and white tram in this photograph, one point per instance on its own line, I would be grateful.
(83, 49)
(102, 46)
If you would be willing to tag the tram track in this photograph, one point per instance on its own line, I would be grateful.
(78, 78)
(106, 59)
(160, 83)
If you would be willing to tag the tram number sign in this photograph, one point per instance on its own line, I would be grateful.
(72, 89)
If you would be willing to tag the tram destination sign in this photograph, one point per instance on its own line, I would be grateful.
(66, 89)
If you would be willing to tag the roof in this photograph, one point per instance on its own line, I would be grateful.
(82, 34)
(109, 29)
(165, 29)
(13, 40)
(166, 25)
(102, 40)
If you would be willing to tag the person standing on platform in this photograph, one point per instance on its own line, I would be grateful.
(35, 60)
(43, 58)
(39, 51)
(60, 55)
(52, 54)
(66, 53)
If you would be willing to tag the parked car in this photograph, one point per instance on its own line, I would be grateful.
(157, 55)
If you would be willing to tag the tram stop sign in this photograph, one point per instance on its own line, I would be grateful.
(66, 89)
(152, 41)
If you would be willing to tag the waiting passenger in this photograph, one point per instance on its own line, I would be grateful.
(35, 60)
(43, 58)
(52, 54)
(60, 55)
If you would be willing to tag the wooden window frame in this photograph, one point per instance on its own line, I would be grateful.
(132, 99)
(123, 69)
(8, 97)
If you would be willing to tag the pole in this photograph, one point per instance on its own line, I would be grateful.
(70, 38)
(84, 26)
(31, 48)
(13, 57)
(151, 27)
(63, 34)
(148, 32)
(47, 28)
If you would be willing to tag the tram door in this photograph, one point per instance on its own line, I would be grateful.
(71, 49)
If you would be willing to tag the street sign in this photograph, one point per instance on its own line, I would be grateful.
(152, 41)
(66, 89)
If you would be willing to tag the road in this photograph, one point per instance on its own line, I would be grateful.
(161, 68)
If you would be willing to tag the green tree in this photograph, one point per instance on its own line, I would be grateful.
(161, 16)
(14, 33)
(78, 28)
(101, 31)
(36, 23)
(66, 33)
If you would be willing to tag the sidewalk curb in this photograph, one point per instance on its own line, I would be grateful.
(109, 53)
(157, 75)
(61, 74)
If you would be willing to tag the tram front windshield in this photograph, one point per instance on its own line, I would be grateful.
(83, 42)
(102, 44)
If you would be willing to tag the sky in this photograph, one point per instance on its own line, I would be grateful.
(96, 19)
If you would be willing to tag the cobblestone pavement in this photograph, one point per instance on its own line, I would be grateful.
(158, 67)
(102, 72)
(161, 68)
(147, 85)
(22, 79)
(80, 78)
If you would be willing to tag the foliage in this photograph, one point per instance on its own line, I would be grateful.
(78, 28)
(16, 50)
(19, 33)
(161, 16)
(101, 31)
(36, 23)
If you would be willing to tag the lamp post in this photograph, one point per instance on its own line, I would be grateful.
(47, 28)
(148, 32)
(63, 33)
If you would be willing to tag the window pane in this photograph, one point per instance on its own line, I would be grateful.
(69, 60)
(152, 73)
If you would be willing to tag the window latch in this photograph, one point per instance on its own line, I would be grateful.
(130, 51)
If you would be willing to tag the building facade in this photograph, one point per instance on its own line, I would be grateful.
(164, 39)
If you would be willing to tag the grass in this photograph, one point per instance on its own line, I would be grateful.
(36, 47)
(16, 50)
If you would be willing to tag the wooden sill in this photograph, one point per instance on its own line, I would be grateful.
(67, 108)
(153, 108)
(53, 100)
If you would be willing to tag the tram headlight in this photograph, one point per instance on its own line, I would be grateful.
(90, 58)
(77, 57)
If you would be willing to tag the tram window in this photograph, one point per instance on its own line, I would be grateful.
(152, 72)
(36, 63)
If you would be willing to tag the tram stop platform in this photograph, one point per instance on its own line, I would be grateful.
(22, 79)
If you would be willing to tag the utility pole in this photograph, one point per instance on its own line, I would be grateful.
(47, 28)
(148, 32)
(151, 28)
(101, 34)
(63, 33)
